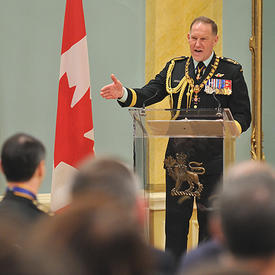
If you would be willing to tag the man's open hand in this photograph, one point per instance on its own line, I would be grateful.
(113, 90)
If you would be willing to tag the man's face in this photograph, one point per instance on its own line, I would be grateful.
(201, 41)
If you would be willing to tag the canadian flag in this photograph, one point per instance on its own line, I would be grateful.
(74, 136)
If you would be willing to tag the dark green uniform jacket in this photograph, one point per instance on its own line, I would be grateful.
(25, 209)
(222, 75)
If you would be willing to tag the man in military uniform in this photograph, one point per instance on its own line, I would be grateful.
(202, 80)
(23, 165)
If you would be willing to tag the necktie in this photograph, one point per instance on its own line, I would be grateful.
(200, 70)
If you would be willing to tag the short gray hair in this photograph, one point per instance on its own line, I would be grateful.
(206, 20)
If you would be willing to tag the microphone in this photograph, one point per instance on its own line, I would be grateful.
(148, 99)
(219, 108)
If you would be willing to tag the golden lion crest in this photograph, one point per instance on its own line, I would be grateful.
(180, 171)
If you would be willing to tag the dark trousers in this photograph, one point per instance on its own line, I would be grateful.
(178, 213)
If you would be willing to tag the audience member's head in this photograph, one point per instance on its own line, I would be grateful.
(99, 233)
(20, 254)
(112, 177)
(21, 155)
(247, 207)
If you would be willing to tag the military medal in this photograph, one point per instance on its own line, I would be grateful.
(219, 86)
(196, 99)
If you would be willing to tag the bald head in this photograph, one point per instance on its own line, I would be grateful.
(109, 176)
(247, 208)
(248, 167)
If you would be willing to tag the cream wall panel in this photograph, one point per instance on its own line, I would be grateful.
(167, 26)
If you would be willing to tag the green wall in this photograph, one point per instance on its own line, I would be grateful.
(236, 33)
(31, 35)
(268, 80)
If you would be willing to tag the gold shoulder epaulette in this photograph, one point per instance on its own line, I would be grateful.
(230, 60)
(179, 58)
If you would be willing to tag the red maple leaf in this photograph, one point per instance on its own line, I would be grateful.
(71, 124)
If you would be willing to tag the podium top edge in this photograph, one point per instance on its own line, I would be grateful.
(168, 109)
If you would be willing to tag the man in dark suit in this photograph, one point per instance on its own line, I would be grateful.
(23, 165)
(202, 80)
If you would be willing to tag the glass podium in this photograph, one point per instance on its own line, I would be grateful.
(152, 131)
